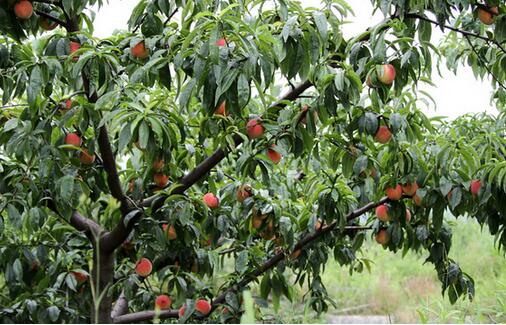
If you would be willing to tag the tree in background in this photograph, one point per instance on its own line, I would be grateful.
(249, 131)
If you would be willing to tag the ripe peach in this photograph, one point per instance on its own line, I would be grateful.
(220, 110)
(254, 128)
(410, 189)
(488, 17)
(221, 42)
(417, 200)
(23, 9)
(475, 186)
(80, 277)
(139, 51)
(387, 74)
(73, 139)
(243, 192)
(74, 46)
(203, 306)
(181, 311)
(273, 155)
(382, 213)
(158, 164)
(163, 302)
(68, 104)
(47, 24)
(161, 180)
(86, 158)
(256, 222)
(143, 267)
(383, 135)
(211, 200)
(170, 231)
(394, 193)
(318, 225)
(303, 117)
(382, 237)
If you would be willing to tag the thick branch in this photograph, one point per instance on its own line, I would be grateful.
(110, 166)
(79, 222)
(144, 316)
(120, 307)
(51, 17)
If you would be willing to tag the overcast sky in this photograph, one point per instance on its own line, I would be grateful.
(454, 95)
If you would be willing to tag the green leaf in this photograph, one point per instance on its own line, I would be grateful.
(34, 85)
(321, 23)
(66, 187)
(143, 135)
(241, 263)
(17, 267)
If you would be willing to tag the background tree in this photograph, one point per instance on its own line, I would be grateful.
(132, 167)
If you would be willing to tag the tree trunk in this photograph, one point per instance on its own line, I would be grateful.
(102, 276)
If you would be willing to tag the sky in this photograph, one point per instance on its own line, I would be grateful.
(454, 94)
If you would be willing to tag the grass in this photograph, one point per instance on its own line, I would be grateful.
(408, 291)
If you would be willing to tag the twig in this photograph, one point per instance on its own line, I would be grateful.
(51, 17)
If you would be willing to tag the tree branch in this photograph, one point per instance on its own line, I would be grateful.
(144, 316)
(120, 307)
(51, 17)
(483, 62)
(455, 29)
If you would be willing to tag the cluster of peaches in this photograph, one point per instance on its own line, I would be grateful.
(395, 194)
(144, 267)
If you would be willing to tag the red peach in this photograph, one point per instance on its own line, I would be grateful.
(86, 158)
(163, 302)
(417, 200)
(487, 17)
(254, 128)
(243, 192)
(73, 139)
(139, 51)
(170, 230)
(203, 306)
(221, 42)
(74, 46)
(382, 237)
(161, 180)
(387, 75)
(382, 213)
(23, 9)
(273, 155)
(475, 186)
(211, 200)
(158, 164)
(181, 311)
(383, 135)
(394, 193)
(143, 267)
(410, 189)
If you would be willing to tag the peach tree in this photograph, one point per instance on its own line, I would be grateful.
(214, 146)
